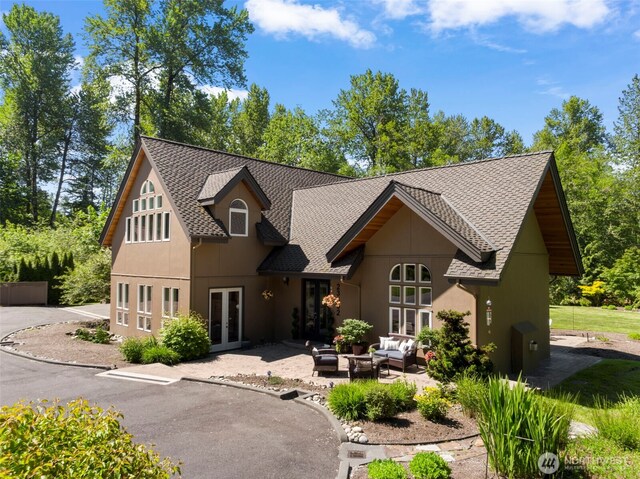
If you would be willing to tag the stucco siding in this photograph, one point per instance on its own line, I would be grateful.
(522, 296)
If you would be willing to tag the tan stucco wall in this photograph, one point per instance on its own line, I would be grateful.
(234, 264)
(164, 263)
(523, 295)
(405, 238)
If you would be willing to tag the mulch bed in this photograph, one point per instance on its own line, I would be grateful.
(276, 383)
(411, 428)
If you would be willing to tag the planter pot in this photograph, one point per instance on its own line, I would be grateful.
(359, 348)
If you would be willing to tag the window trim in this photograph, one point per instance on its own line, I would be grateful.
(400, 319)
(415, 321)
(127, 229)
(245, 212)
(391, 286)
(420, 274)
(166, 226)
(122, 304)
(173, 305)
(420, 288)
(399, 267)
(404, 295)
(404, 273)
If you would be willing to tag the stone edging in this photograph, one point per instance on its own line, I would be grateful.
(4, 347)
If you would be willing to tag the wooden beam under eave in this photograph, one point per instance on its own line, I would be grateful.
(554, 230)
(374, 225)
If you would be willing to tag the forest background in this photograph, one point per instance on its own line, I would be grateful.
(64, 148)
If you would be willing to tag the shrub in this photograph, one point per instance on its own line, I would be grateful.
(431, 404)
(612, 307)
(131, 349)
(89, 282)
(347, 401)
(517, 426)
(159, 353)
(187, 336)
(454, 352)
(403, 393)
(469, 393)
(625, 466)
(35, 441)
(635, 336)
(620, 424)
(628, 307)
(354, 330)
(379, 402)
(386, 469)
(429, 465)
(100, 336)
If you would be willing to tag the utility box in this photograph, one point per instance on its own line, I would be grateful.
(524, 347)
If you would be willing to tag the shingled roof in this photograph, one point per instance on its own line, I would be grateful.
(485, 202)
(317, 220)
(186, 169)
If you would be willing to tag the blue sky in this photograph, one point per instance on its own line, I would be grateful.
(512, 60)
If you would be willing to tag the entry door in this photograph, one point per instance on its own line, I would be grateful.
(317, 324)
(225, 318)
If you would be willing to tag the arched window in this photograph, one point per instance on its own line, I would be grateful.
(147, 188)
(238, 218)
(409, 303)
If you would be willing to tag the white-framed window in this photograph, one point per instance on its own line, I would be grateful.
(144, 307)
(425, 321)
(410, 325)
(122, 304)
(158, 227)
(127, 230)
(395, 320)
(136, 231)
(395, 273)
(166, 226)
(170, 302)
(238, 218)
(425, 274)
(395, 294)
(409, 292)
(425, 296)
(147, 225)
(150, 227)
(409, 273)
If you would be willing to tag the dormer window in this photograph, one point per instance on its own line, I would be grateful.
(238, 218)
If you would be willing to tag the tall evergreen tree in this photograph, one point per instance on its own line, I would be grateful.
(35, 74)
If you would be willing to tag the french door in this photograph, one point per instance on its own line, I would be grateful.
(225, 318)
(317, 321)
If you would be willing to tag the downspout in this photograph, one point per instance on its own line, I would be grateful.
(192, 273)
(475, 306)
(357, 286)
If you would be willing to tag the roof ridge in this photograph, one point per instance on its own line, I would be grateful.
(204, 148)
(428, 168)
(416, 188)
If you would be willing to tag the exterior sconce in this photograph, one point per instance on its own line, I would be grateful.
(489, 313)
(285, 280)
(533, 345)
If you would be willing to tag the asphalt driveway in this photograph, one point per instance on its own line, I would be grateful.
(217, 431)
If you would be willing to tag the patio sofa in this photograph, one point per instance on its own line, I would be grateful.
(397, 358)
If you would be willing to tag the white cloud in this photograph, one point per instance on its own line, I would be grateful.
(636, 34)
(400, 9)
(552, 88)
(537, 15)
(282, 17)
(485, 41)
(79, 59)
(232, 93)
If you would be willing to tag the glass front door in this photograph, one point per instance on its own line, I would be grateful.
(225, 318)
(318, 321)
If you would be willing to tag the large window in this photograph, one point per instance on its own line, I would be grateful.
(410, 298)
(147, 224)
(170, 302)
(122, 304)
(238, 218)
(144, 307)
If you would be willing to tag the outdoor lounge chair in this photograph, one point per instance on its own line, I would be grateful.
(324, 359)
(398, 359)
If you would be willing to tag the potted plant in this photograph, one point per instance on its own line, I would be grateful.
(371, 350)
(354, 331)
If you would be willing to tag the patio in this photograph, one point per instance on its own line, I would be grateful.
(287, 360)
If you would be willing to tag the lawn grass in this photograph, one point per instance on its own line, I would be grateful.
(609, 379)
(594, 319)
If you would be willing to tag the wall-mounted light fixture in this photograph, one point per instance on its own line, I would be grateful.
(285, 280)
(489, 313)
(533, 345)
